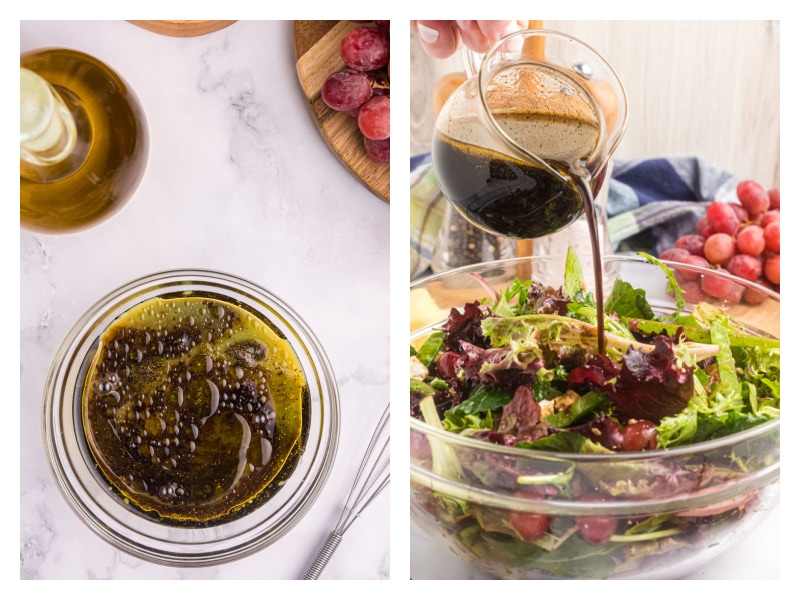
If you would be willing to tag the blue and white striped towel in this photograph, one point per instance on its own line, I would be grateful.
(651, 203)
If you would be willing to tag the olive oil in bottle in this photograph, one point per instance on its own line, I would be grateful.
(83, 141)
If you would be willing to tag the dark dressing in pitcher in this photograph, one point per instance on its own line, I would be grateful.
(546, 173)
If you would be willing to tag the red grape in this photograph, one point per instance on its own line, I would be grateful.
(719, 248)
(753, 196)
(721, 287)
(741, 212)
(750, 240)
(694, 260)
(722, 218)
(674, 254)
(596, 529)
(378, 150)
(639, 435)
(774, 198)
(693, 243)
(346, 90)
(753, 296)
(734, 295)
(742, 239)
(704, 227)
(772, 269)
(354, 112)
(365, 49)
(693, 291)
(529, 525)
(772, 215)
(373, 118)
(772, 236)
(447, 364)
(745, 266)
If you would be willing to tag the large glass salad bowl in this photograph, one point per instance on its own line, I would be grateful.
(525, 505)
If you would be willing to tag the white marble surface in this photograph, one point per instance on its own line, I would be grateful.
(238, 180)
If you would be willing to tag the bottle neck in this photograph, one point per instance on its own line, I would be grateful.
(47, 131)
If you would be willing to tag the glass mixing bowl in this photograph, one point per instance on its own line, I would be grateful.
(134, 531)
(706, 496)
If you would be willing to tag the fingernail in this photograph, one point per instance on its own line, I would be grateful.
(514, 44)
(512, 27)
(427, 34)
(462, 24)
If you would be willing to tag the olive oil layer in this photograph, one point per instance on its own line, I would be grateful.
(192, 408)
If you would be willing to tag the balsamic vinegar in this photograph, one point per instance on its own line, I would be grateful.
(522, 200)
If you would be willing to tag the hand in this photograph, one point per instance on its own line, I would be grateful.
(441, 39)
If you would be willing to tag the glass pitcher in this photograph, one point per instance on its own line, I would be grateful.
(522, 143)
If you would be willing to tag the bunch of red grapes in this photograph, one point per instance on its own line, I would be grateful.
(361, 88)
(742, 239)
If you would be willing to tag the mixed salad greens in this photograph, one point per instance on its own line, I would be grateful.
(522, 369)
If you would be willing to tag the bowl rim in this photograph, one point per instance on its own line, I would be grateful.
(505, 499)
(129, 530)
(422, 427)
(531, 453)
(621, 258)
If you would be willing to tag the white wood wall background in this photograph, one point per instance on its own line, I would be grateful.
(709, 89)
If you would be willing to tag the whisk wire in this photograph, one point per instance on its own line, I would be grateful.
(365, 491)
(370, 480)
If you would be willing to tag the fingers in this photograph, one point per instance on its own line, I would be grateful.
(440, 39)
(491, 31)
(474, 34)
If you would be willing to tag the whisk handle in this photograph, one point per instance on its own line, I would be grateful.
(323, 555)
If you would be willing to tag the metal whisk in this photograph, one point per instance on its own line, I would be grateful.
(372, 477)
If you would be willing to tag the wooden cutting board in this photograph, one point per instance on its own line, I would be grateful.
(317, 50)
(182, 28)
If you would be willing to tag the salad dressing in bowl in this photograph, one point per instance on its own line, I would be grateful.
(190, 418)
(192, 407)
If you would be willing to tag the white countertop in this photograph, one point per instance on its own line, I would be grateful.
(238, 180)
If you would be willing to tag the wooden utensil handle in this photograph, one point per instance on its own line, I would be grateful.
(533, 48)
